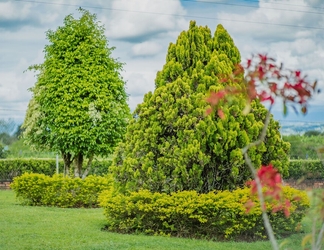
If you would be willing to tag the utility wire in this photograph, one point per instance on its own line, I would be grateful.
(258, 7)
(276, 3)
(178, 15)
(287, 4)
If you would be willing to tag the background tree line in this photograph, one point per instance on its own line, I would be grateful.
(303, 146)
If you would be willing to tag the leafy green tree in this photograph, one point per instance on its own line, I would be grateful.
(79, 103)
(172, 145)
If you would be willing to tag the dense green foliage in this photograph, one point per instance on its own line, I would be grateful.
(220, 215)
(306, 169)
(10, 168)
(304, 146)
(79, 103)
(172, 145)
(59, 191)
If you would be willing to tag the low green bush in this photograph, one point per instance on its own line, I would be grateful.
(215, 215)
(309, 169)
(10, 168)
(59, 191)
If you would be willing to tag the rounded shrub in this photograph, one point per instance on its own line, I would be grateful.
(59, 191)
(215, 215)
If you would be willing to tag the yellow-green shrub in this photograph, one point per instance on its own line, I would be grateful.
(216, 215)
(60, 191)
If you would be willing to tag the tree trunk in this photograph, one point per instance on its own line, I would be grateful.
(67, 159)
(89, 166)
(78, 165)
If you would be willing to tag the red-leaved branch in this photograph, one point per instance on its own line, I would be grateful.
(265, 80)
(261, 78)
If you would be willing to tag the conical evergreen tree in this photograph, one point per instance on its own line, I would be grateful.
(172, 145)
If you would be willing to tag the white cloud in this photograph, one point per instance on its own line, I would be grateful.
(146, 49)
(9, 10)
(137, 20)
(272, 21)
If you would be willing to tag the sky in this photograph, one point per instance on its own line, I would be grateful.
(292, 31)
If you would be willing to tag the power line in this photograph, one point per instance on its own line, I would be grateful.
(251, 1)
(178, 15)
(259, 7)
(287, 4)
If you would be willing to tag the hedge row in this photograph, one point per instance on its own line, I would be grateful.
(218, 216)
(59, 191)
(309, 169)
(10, 168)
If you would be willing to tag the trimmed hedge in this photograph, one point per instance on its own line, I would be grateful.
(309, 169)
(41, 190)
(218, 216)
(10, 168)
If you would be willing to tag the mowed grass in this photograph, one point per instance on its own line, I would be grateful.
(26, 227)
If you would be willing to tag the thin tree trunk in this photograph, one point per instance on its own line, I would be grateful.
(89, 166)
(67, 159)
(78, 165)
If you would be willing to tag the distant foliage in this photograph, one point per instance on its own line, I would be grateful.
(172, 145)
(59, 191)
(3, 153)
(19, 149)
(215, 215)
(312, 133)
(304, 146)
(306, 169)
(10, 168)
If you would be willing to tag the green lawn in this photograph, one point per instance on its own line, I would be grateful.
(24, 227)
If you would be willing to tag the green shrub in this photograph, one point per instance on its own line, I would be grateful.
(59, 191)
(215, 215)
(309, 169)
(10, 168)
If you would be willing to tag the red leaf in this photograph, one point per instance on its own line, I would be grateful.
(221, 114)
(297, 73)
(209, 111)
(263, 58)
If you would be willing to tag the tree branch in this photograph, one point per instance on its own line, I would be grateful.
(89, 166)
(248, 161)
(319, 239)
